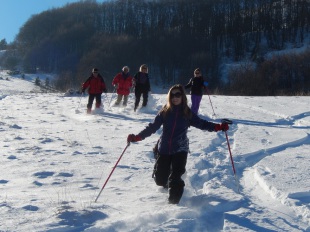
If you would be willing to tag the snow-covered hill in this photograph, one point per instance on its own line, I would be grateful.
(54, 160)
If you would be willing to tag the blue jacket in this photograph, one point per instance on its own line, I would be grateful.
(174, 135)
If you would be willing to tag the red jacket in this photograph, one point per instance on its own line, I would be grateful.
(96, 85)
(123, 82)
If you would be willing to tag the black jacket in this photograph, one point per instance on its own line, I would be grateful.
(142, 83)
(197, 85)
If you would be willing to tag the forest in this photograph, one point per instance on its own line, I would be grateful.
(173, 37)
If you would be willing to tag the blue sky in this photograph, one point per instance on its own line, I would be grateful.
(14, 13)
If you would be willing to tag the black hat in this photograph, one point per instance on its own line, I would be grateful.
(95, 70)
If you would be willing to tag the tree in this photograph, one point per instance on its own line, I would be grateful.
(3, 44)
(37, 81)
(47, 82)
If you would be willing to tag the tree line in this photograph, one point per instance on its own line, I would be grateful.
(173, 37)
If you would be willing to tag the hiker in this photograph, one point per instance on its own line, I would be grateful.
(196, 85)
(122, 82)
(142, 86)
(96, 86)
(173, 145)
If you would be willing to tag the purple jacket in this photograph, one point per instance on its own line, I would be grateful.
(174, 135)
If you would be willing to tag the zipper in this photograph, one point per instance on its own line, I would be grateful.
(175, 122)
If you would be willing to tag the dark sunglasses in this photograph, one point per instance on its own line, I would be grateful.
(197, 72)
(177, 95)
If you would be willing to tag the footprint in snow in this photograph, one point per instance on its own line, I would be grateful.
(37, 183)
(31, 208)
(65, 174)
(15, 126)
(12, 157)
(43, 175)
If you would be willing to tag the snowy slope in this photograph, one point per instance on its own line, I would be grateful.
(54, 162)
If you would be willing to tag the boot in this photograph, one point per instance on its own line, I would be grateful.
(88, 111)
(98, 104)
(175, 193)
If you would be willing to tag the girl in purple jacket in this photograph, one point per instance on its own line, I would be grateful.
(175, 117)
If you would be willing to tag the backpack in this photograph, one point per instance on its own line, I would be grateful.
(155, 150)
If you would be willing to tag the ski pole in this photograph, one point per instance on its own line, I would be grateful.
(112, 171)
(112, 97)
(231, 158)
(210, 101)
(77, 109)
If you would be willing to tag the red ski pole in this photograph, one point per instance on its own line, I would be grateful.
(105, 183)
(231, 158)
(232, 162)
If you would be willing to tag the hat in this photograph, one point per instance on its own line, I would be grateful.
(95, 70)
(125, 67)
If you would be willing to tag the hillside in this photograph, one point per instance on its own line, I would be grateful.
(55, 159)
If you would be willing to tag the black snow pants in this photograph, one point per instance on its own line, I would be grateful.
(168, 170)
(138, 93)
(91, 98)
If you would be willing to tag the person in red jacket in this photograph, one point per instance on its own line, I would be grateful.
(122, 82)
(96, 86)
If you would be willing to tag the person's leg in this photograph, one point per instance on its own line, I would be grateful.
(198, 102)
(125, 100)
(138, 96)
(195, 103)
(162, 170)
(91, 98)
(98, 100)
(145, 98)
(119, 98)
(176, 184)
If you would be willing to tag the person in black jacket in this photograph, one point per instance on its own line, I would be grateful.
(175, 117)
(142, 86)
(197, 85)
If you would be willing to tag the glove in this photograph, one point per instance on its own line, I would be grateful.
(105, 90)
(83, 90)
(133, 138)
(222, 127)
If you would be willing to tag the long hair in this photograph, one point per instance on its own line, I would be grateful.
(169, 105)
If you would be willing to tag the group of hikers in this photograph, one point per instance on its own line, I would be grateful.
(122, 83)
(175, 116)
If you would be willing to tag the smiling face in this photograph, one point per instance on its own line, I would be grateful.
(176, 97)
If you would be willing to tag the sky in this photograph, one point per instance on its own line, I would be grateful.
(54, 160)
(14, 13)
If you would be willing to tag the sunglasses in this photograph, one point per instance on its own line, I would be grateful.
(197, 72)
(177, 95)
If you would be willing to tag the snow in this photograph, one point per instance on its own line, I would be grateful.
(55, 159)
